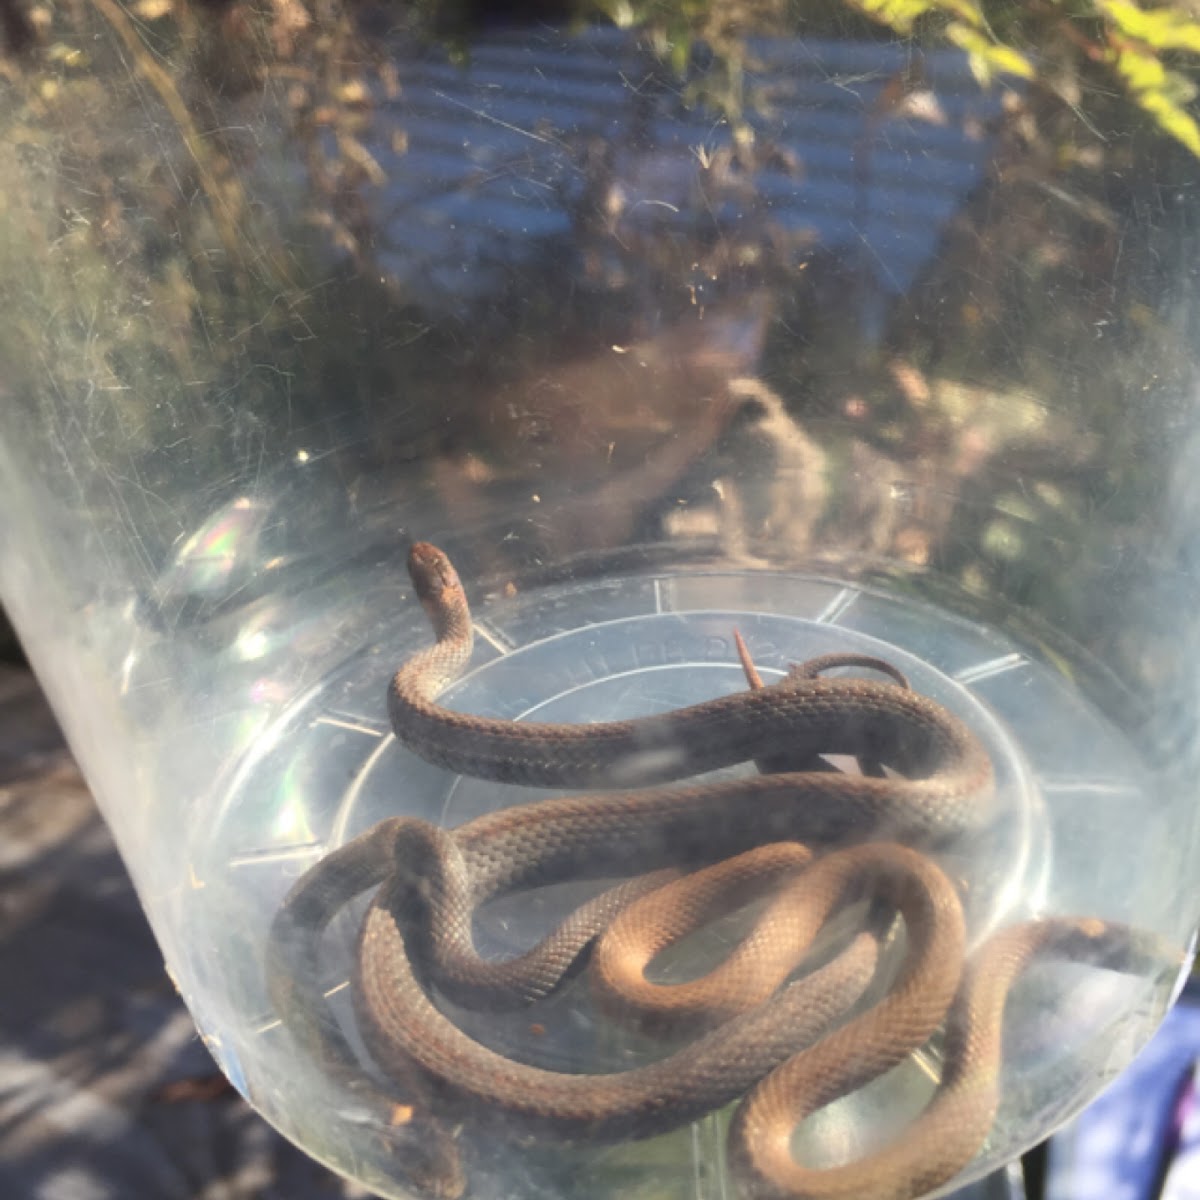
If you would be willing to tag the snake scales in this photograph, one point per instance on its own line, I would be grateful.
(779, 1043)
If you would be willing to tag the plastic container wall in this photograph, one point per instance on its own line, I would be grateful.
(663, 329)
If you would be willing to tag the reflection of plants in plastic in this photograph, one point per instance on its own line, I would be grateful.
(1151, 52)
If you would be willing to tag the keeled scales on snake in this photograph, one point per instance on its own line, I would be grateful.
(687, 854)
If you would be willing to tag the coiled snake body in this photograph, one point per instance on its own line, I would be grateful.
(687, 854)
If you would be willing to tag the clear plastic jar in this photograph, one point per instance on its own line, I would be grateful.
(663, 329)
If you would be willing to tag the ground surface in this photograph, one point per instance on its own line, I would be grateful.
(105, 1089)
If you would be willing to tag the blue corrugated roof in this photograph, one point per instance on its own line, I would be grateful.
(490, 157)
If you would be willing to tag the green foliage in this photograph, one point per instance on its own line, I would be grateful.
(903, 15)
(1149, 50)
(1165, 28)
(1135, 37)
(1128, 39)
(988, 57)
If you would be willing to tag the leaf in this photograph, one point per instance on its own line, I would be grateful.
(1159, 92)
(1165, 28)
(965, 10)
(1173, 119)
(902, 15)
(899, 15)
(987, 58)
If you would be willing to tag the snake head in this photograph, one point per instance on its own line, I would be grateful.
(431, 572)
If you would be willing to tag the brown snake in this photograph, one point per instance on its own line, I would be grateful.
(688, 855)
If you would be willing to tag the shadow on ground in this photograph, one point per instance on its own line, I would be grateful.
(105, 1089)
